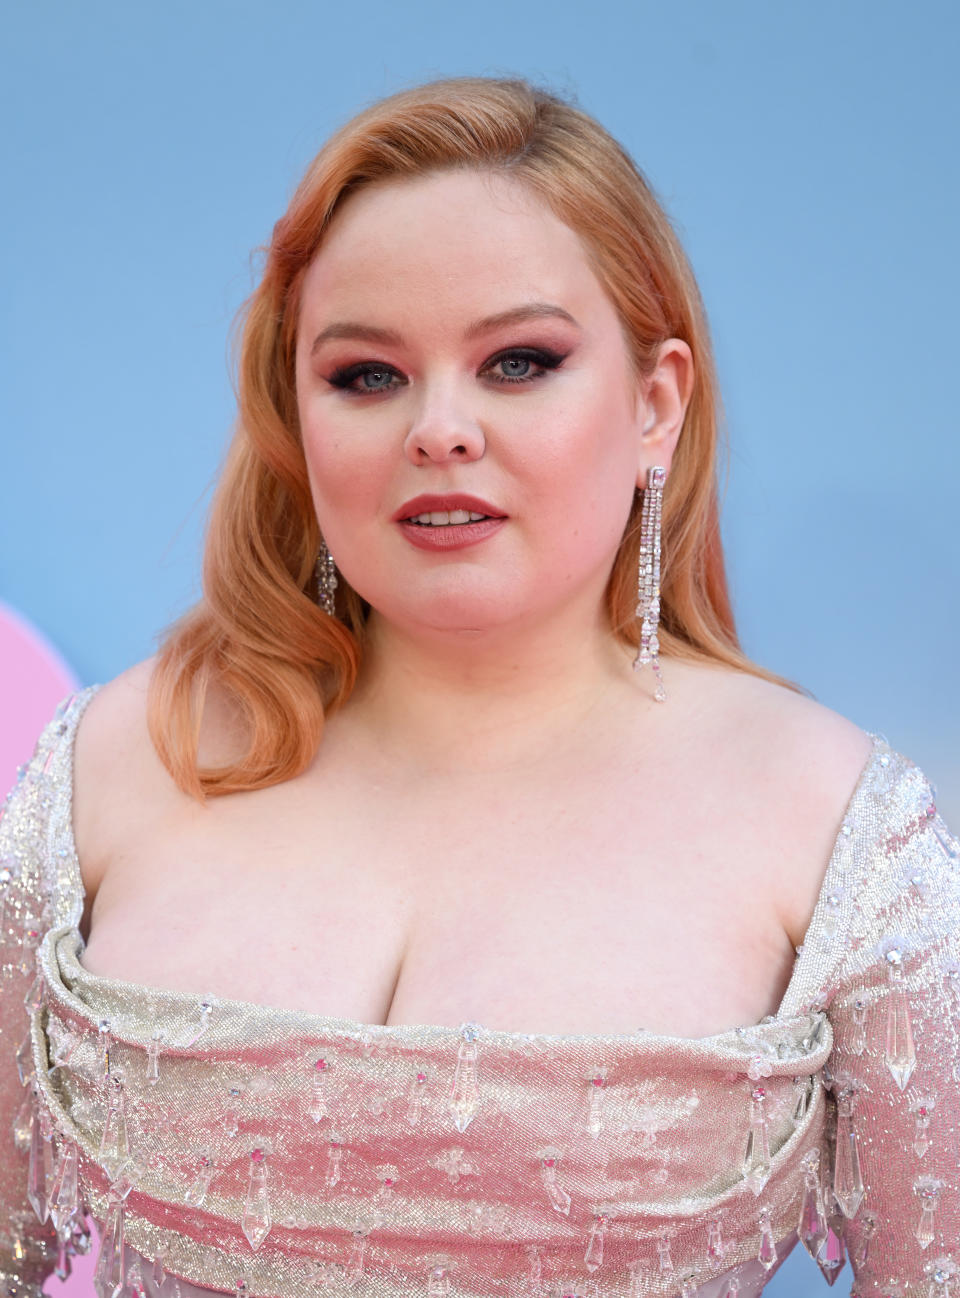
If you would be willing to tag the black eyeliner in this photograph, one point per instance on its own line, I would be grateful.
(545, 358)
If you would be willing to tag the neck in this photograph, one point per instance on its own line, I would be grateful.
(472, 701)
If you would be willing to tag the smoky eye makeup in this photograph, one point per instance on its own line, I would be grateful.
(534, 363)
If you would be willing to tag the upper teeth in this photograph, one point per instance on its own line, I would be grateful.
(439, 517)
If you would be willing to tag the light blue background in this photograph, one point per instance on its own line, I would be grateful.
(807, 152)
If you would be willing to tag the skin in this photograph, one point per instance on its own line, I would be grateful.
(500, 825)
(512, 628)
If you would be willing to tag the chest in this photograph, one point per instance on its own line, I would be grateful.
(566, 905)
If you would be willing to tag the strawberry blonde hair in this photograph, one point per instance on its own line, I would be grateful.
(257, 632)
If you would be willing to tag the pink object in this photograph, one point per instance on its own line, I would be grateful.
(455, 536)
(33, 680)
(82, 1266)
(426, 504)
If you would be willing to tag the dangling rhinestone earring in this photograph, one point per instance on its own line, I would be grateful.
(326, 571)
(648, 577)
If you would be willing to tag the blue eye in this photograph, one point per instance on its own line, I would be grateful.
(515, 358)
(346, 377)
(542, 359)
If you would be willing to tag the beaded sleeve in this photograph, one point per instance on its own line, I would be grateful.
(29, 1246)
(893, 998)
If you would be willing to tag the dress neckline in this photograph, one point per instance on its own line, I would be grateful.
(792, 1011)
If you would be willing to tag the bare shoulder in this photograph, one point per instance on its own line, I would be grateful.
(120, 781)
(803, 762)
(804, 741)
(114, 759)
(113, 723)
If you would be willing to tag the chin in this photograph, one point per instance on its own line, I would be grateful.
(452, 608)
(469, 620)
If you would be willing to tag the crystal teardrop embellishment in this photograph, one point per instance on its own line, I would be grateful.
(943, 1273)
(921, 1142)
(318, 1089)
(231, 1115)
(153, 1057)
(104, 1042)
(593, 1257)
(384, 1202)
(199, 1189)
(664, 1254)
(767, 1253)
(465, 1095)
(715, 1245)
(64, 1198)
(256, 1219)
(40, 1172)
(858, 1035)
(135, 1285)
(847, 1180)
(756, 1158)
(358, 1251)
(24, 1057)
(110, 1271)
(159, 1271)
(81, 1240)
(812, 1227)
(334, 1159)
(114, 1140)
(801, 1100)
(928, 1188)
(899, 1055)
(830, 1259)
(559, 1199)
(595, 1084)
(535, 1270)
(415, 1097)
(732, 1289)
(438, 1281)
(35, 996)
(206, 1009)
(688, 1284)
(868, 1232)
(47, 1132)
(922, 1106)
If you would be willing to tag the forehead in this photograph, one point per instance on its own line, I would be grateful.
(458, 238)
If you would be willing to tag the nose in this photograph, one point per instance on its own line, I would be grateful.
(442, 432)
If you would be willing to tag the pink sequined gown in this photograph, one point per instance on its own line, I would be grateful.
(230, 1147)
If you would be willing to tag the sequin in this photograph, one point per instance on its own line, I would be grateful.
(277, 1152)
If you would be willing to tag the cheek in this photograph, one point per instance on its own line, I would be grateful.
(346, 492)
(345, 475)
(336, 466)
(581, 459)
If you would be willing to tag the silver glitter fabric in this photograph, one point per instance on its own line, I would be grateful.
(232, 1147)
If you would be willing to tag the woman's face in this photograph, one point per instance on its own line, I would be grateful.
(454, 341)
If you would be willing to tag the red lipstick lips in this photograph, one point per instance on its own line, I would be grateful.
(431, 503)
(448, 536)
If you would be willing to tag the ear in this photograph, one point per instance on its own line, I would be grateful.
(661, 407)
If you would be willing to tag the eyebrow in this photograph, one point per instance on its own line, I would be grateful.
(373, 334)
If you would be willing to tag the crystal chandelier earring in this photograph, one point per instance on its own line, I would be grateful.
(326, 571)
(648, 577)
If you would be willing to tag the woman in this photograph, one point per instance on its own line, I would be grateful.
(427, 946)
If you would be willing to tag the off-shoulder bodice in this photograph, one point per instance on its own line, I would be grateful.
(290, 1153)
